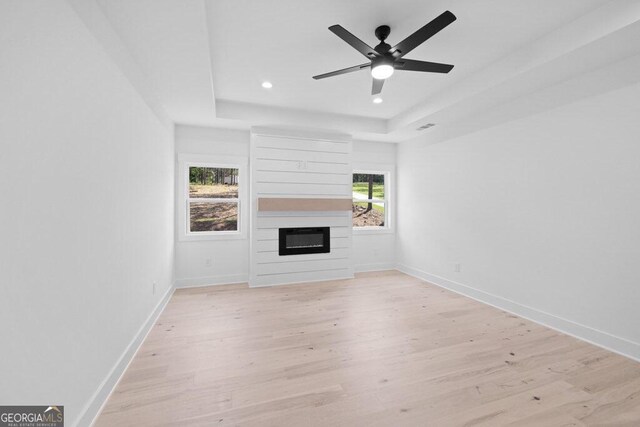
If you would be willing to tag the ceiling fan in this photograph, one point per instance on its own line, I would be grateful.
(384, 59)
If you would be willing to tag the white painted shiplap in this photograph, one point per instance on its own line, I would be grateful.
(293, 144)
(264, 153)
(274, 258)
(301, 189)
(279, 165)
(299, 164)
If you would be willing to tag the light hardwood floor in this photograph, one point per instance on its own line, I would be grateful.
(384, 349)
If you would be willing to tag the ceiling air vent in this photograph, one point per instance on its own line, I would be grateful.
(427, 126)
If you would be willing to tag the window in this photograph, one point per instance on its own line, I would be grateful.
(213, 202)
(212, 197)
(369, 209)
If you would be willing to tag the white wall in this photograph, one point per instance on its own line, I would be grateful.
(541, 214)
(86, 183)
(299, 163)
(229, 259)
(375, 250)
(210, 262)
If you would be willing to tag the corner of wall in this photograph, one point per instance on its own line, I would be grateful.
(593, 336)
(96, 403)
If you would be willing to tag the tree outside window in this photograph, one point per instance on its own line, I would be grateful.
(369, 200)
(213, 203)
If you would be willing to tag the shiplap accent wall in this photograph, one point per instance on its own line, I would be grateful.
(297, 164)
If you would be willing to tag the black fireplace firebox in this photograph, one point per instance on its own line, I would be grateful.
(297, 241)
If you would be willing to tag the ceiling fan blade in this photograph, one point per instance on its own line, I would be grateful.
(376, 88)
(423, 34)
(355, 42)
(431, 67)
(343, 71)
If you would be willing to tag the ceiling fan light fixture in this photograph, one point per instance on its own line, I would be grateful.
(384, 58)
(382, 71)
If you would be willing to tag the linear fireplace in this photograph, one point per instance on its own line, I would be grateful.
(296, 241)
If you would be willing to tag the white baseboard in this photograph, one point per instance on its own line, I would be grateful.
(92, 409)
(593, 336)
(298, 278)
(362, 268)
(194, 282)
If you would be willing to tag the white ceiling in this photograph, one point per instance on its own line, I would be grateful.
(287, 42)
(205, 59)
(170, 42)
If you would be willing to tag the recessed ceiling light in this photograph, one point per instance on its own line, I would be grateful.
(267, 85)
(377, 100)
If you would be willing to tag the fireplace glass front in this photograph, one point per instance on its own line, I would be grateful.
(297, 241)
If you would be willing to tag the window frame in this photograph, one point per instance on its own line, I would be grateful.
(387, 172)
(226, 162)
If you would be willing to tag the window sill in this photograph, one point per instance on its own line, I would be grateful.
(372, 230)
(239, 235)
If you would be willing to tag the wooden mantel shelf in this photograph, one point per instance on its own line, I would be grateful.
(270, 204)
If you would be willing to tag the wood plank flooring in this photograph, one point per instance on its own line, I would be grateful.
(384, 349)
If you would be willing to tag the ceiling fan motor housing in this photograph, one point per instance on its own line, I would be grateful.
(386, 59)
(382, 32)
